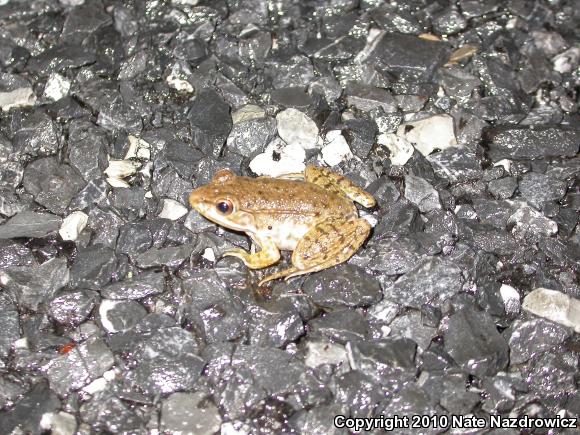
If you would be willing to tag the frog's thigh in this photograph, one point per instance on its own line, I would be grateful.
(332, 181)
(330, 243)
(268, 255)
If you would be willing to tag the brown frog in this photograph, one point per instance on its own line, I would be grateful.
(311, 213)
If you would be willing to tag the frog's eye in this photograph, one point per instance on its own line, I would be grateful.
(225, 206)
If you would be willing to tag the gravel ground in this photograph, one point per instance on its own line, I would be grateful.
(119, 314)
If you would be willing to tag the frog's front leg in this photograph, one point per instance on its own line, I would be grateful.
(327, 244)
(268, 254)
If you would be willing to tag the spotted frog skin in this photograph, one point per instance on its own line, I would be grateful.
(311, 213)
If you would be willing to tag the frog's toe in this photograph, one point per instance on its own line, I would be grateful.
(277, 275)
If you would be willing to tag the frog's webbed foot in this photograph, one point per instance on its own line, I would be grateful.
(268, 255)
(337, 183)
(329, 243)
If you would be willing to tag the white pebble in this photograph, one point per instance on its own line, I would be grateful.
(177, 78)
(567, 61)
(511, 299)
(278, 159)
(555, 306)
(295, 128)
(104, 308)
(172, 210)
(73, 225)
(336, 150)
(57, 87)
(248, 113)
(505, 163)
(209, 254)
(61, 423)
(21, 97)
(97, 385)
(319, 353)
(119, 169)
(429, 134)
(117, 182)
(401, 150)
(138, 148)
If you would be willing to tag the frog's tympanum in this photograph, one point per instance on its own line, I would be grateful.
(310, 213)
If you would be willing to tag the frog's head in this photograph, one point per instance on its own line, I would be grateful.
(218, 201)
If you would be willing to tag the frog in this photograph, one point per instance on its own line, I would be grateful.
(311, 213)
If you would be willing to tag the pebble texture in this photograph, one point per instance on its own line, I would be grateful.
(118, 312)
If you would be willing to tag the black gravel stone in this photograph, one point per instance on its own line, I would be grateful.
(95, 413)
(81, 365)
(249, 137)
(172, 257)
(87, 147)
(550, 373)
(30, 224)
(268, 361)
(340, 326)
(211, 309)
(456, 164)
(166, 361)
(182, 411)
(72, 307)
(455, 397)
(316, 420)
(530, 338)
(394, 256)
(503, 188)
(210, 120)
(507, 142)
(30, 409)
(419, 192)
(37, 136)
(499, 394)
(53, 185)
(410, 325)
(474, 343)
(94, 267)
(141, 286)
(346, 285)
(408, 54)
(538, 189)
(275, 325)
(32, 287)
(360, 134)
(10, 324)
(358, 392)
(120, 316)
(431, 279)
(366, 98)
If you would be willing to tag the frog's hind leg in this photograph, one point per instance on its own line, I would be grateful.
(332, 181)
(329, 243)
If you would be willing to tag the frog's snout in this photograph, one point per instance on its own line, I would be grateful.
(196, 199)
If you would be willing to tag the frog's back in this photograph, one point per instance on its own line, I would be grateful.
(274, 195)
